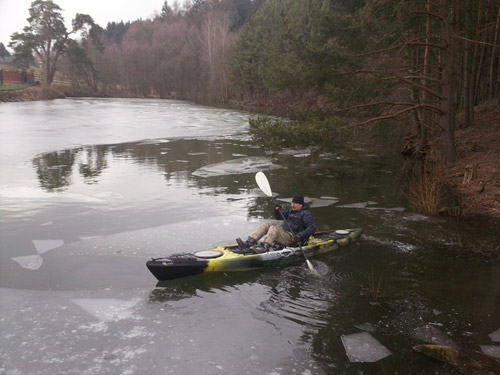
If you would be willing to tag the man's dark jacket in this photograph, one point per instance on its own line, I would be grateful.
(300, 222)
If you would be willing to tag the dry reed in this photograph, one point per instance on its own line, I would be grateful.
(425, 192)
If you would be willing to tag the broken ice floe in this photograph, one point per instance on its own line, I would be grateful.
(363, 347)
(365, 205)
(42, 246)
(153, 142)
(314, 202)
(30, 262)
(432, 335)
(236, 166)
(491, 350)
(323, 202)
(495, 336)
(108, 310)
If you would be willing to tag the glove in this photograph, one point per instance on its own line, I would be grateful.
(277, 207)
(297, 238)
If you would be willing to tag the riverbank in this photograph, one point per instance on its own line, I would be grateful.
(32, 93)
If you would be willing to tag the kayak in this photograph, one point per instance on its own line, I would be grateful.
(231, 258)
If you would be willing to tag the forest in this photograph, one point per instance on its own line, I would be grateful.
(323, 64)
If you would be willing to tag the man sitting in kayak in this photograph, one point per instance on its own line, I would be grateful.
(298, 226)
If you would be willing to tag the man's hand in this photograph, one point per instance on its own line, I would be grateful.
(297, 239)
(277, 207)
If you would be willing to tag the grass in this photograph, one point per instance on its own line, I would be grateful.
(14, 86)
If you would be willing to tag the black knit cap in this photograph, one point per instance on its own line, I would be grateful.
(298, 199)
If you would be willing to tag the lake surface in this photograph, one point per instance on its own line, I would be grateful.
(90, 189)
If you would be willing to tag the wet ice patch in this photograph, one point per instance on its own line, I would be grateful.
(109, 195)
(368, 206)
(491, 350)
(27, 193)
(236, 166)
(432, 335)
(314, 202)
(363, 347)
(30, 262)
(495, 336)
(42, 246)
(358, 205)
(153, 142)
(323, 202)
(108, 310)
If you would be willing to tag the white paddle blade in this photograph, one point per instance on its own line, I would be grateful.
(261, 180)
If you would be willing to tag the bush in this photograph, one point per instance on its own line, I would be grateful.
(306, 128)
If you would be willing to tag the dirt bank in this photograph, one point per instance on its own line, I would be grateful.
(476, 174)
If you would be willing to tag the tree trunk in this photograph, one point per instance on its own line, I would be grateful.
(427, 72)
(448, 80)
(475, 55)
(467, 70)
(491, 83)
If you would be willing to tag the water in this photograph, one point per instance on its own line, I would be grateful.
(91, 188)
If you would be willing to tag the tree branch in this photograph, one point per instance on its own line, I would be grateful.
(393, 115)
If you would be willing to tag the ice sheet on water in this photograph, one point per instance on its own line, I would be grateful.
(495, 336)
(42, 246)
(323, 202)
(363, 347)
(30, 262)
(108, 309)
(28, 193)
(368, 206)
(313, 202)
(153, 141)
(180, 237)
(109, 195)
(433, 335)
(236, 166)
(491, 350)
(358, 205)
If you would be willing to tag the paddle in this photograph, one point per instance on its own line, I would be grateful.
(263, 184)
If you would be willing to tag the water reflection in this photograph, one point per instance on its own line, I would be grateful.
(179, 158)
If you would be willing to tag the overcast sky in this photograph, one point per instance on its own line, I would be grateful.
(13, 13)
